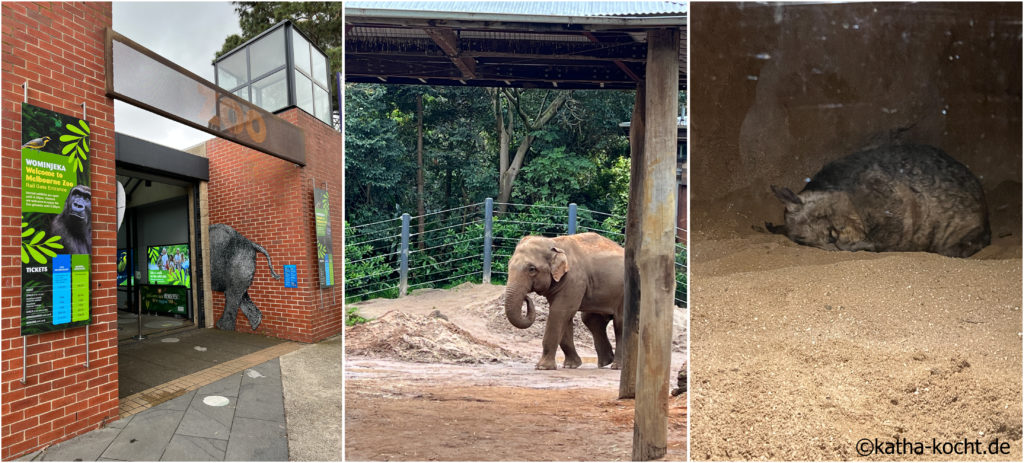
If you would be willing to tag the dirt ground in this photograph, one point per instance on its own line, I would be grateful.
(438, 376)
(798, 353)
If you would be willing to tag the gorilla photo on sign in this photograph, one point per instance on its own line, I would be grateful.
(74, 223)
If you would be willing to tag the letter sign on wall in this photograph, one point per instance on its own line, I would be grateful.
(56, 221)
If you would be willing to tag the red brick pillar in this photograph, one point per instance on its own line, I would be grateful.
(270, 202)
(58, 48)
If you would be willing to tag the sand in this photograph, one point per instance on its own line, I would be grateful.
(798, 353)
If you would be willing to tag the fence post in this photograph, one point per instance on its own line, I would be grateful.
(403, 283)
(488, 217)
(572, 218)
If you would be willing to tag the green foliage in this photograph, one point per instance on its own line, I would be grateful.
(365, 270)
(77, 143)
(554, 177)
(352, 317)
(34, 248)
(681, 266)
(618, 191)
(154, 254)
(180, 278)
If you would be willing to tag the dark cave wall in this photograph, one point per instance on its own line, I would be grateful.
(778, 91)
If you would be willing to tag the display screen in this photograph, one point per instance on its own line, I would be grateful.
(169, 265)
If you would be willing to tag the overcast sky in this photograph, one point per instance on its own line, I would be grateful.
(187, 33)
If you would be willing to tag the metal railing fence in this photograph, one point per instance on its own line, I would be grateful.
(472, 243)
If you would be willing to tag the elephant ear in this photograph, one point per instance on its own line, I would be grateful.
(559, 264)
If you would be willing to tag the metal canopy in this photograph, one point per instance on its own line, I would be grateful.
(563, 45)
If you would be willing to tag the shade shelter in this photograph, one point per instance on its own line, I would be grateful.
(566, 45)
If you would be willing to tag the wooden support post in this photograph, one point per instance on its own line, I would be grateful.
(656, 256)
(631, 295)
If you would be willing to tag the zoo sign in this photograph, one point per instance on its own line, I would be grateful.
(56, 221)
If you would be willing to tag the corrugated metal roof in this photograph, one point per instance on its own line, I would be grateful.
(554, 9)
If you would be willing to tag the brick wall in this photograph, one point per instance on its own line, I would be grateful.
(58, 48)
(270, 202)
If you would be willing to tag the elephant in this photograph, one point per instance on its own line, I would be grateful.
(232, 267)
(583, 272)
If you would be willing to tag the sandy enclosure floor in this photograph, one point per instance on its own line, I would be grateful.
(797, 353)
(434, 392)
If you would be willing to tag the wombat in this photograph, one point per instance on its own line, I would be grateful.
(892, 198)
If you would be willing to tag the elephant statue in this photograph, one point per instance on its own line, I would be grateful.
(583, 272)
(232, 267)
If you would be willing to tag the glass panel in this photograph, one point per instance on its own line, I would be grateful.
(320, 68)
(301, 49)
(231, 71)
(267, 53)
(271, 92)
(322, 101)
(243, 92)
(303, 92)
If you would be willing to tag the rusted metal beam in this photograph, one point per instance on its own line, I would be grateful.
(656, 256)
(449, 42)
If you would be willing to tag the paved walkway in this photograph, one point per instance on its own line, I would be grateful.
(238, 418)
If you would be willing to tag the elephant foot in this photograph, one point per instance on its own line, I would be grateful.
(226, 325)
(616, 366)
(575, 363)
(542, 365)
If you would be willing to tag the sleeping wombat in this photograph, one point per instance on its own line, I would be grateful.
(893, 198)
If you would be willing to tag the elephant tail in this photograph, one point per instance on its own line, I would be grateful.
(270, 263)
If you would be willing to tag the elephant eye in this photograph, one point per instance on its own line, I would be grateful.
(533, 268)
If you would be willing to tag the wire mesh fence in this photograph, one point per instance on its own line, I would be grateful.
(446, 248)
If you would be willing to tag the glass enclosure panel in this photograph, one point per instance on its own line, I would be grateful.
(322, 102)
(303, 92)
(243, 92)
(231, 71)
(301, 49)
(267, 53)
(271, 92)
(320, 68)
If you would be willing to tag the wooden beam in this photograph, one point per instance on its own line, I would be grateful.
(656, 256)
(631, 296)
(449, 42)
(629, 72)
(631, 52)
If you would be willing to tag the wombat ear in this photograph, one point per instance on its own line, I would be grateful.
(559, 264)
(786, 195)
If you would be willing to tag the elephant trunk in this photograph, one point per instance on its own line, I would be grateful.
(514, 308)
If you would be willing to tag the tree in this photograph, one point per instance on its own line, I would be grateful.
(508, 106)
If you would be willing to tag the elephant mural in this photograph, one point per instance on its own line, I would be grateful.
(232, 267)
(583, 272)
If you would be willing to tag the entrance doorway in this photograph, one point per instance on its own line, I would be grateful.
(154, 262)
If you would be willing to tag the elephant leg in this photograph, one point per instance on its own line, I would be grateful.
(617, 324)
(553, 332)
(572, 359)
(232, 298)
(598, 325)
(251, 311)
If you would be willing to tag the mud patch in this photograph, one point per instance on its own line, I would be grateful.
(418, 338)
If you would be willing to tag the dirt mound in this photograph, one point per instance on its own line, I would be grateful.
(497, 323)
(419, 338)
